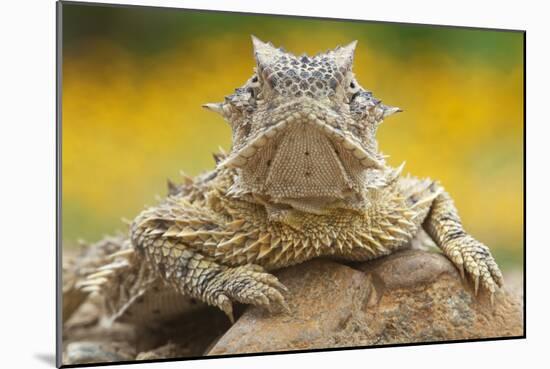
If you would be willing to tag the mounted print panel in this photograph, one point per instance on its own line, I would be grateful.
(235, 184)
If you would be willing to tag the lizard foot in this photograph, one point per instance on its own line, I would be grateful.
(248, 284)
(474, 258)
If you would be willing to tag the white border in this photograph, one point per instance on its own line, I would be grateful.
(27, 144)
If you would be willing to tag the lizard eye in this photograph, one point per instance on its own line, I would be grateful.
(243, 100)
(353, 91)
(252, 92)
(353, 87)
(254, 88)
(254, 82)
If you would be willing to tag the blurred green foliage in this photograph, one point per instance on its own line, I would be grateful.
(145, 30)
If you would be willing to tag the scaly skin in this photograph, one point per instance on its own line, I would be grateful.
(304, 179)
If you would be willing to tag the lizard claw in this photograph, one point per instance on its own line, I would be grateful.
(250, 285)
(476, 283)
(461, 270)
(224, 303)
(473, 258)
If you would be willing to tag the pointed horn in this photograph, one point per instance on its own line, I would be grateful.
(390, 110)
(264, 52)
(215, 107)
(343, 56)
(172, 187)
(257, 43)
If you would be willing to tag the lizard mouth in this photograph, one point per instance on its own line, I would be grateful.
(302, 159)
(306, 121)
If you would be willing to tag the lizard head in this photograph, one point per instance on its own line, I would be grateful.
(304, 130)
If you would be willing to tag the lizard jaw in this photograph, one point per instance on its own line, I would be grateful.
(367, 159)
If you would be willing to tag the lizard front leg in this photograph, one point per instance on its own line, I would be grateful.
(469, 255)
(178, 240)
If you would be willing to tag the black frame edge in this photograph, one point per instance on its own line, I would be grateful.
(97, 4)
(525, 184)
(306, 351)
(58, 194)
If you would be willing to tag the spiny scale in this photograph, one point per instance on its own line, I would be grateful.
(255, 238)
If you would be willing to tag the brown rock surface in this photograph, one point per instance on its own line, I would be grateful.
(86, 339)
(323, 296)
(411, 296)
(88, 352)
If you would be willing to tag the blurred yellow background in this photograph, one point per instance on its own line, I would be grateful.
(134, 80)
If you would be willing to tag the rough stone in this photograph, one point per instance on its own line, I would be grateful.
(88, 339)
(410, 296)
(170, 350)
(322, 297)
(86, 352)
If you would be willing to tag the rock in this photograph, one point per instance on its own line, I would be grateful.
(170, 350)
(410, 296)
(88, 339)
(189, 336)
(313, 290)
(86, 352)
(421, 297)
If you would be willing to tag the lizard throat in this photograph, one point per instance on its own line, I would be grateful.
(305, 166)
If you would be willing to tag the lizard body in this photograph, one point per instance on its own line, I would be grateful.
(304, 179)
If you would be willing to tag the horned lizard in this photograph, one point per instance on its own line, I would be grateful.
(304, 179)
